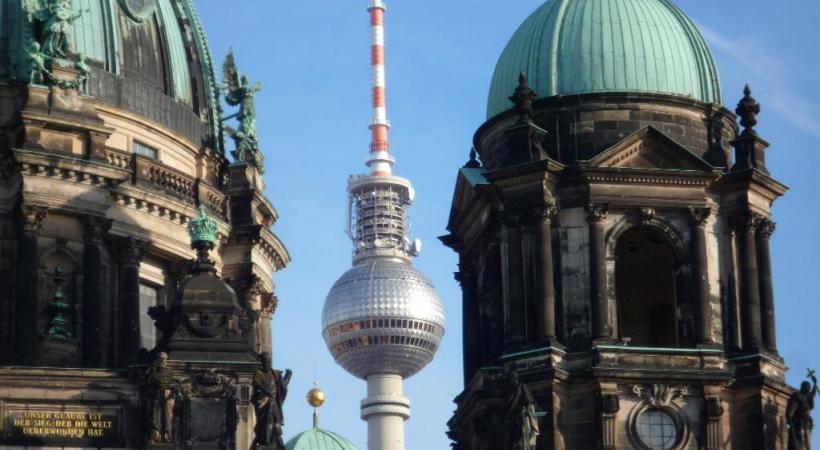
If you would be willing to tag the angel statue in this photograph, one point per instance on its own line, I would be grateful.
(798, 414)
(57, 17)
(239, 92)
(38, 72)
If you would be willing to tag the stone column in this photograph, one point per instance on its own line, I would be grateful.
(516, 318)
(130, 252)
(746, 224)
(269, 304)
(703, 305)
(545, 303)
(94, 300)
(599, 304)
(764, 233)
(471, 331)
(27, 306)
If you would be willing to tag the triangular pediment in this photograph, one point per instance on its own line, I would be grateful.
(650, 149)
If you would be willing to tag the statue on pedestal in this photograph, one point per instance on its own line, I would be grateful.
(240, 92)
(798, 414)
(159, 400)
(270, 387)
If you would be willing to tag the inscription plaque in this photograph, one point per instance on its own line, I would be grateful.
(79, 426)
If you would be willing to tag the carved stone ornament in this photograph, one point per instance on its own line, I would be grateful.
(472, 163)
(660, 394)
(546, 211)
(208, 326)
(698, 216)
(94, 228)
(523, 97)
(130, 250)
(270, 302)
(610, 404)
(767, 228)
(746, 220)
(714, 407)
(213, 384)
(647, 216)
(747, 110)
(597, 212)
(31, 217)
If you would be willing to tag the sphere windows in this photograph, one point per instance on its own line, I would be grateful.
(657, 430)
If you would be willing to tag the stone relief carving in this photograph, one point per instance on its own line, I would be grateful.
(660, 394)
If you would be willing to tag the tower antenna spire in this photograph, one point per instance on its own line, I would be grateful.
(380, 162)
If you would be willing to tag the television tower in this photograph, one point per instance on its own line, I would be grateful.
(382, 320)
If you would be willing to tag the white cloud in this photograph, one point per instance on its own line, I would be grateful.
(770, 75)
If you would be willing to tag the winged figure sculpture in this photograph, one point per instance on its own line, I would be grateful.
(240, 92)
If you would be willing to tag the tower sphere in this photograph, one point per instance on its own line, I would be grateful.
(571, 47)
(383, 317)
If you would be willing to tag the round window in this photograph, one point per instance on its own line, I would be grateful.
(657, 430)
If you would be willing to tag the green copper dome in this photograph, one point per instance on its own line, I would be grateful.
(582, 46)
(318, 439)
(149, 57)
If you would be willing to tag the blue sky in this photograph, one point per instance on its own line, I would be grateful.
(313, 59)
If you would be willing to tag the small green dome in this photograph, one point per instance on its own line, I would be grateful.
(582, 46)
(318, 439)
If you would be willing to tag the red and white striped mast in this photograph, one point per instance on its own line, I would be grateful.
(380, 162)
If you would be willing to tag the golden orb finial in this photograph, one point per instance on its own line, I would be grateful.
(315, 397)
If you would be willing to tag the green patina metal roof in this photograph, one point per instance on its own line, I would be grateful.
(581, 46)
(318, 439)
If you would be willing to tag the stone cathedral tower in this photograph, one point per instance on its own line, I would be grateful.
(614, 244)
(111, 145)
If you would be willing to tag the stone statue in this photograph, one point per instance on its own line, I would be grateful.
(270, 387)
(239, 92)
(159, 400)
(38, 72)
(85, 71)
(530, 429)
(798, 414)
(57, 18)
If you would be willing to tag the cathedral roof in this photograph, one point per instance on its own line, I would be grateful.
(148, 57)
(592, 46)
(318, 439)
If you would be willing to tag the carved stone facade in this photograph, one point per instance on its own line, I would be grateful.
(644, 304)
(104, 159)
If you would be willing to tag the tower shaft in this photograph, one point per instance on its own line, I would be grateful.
(385, 409)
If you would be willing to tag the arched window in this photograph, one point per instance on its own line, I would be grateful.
(646, 291)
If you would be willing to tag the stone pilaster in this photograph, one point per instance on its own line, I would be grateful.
(764, 233)
(545, 301)
(746, 224)
(94, 305)
(610, 405)
(129, 252)
(27, 306)
(599, 303)
(702, 302)
(515, 307)
(714, 428)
